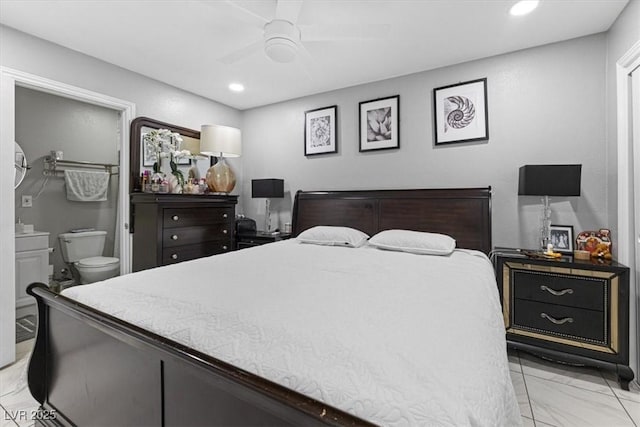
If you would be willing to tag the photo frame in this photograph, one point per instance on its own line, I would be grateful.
(460, 112)
(562, 238)
(380, 124)
(320, 135)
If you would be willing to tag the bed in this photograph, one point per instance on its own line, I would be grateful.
(261, 336)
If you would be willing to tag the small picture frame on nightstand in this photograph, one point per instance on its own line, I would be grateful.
(562, 238)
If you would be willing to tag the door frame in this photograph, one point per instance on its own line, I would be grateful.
(9, 79)
(626, 247)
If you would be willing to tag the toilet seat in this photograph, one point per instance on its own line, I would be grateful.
(97, 262)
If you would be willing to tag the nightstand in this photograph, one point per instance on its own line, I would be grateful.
(247, 240)
(566, 310)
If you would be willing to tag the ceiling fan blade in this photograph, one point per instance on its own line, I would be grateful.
(306, 60)
(288, 10)
(241, 53)
(329, 32)
(247, 12)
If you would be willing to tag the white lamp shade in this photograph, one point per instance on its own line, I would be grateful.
(216, 140)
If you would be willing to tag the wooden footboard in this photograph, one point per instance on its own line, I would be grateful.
(90, 368)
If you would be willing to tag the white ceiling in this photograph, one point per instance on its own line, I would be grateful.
(181, 42)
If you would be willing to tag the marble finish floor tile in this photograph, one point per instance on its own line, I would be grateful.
(528, 422)
(5, 419)
(583, 377)
(514, 361)
(633, 409)
(564, 405)
(634, 389)
(11, 375)
(21, 405)
(521, 394)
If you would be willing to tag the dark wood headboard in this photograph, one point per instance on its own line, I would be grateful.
(464, 214)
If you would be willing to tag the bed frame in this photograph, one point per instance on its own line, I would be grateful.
(90, 368)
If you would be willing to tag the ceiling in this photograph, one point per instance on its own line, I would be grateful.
(182, 42)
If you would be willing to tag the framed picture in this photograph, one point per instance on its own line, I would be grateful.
(562, 238)
(379, 124)
(320, 131)
(460, 112)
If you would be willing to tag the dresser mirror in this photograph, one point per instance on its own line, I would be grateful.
(139, 127)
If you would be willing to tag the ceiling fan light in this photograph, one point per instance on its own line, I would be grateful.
(280, 49)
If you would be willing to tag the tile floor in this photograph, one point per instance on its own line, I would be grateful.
(549, 394)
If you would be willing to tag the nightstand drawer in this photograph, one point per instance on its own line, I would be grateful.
(560, 320)
(584, 292)
(197, 234)
(182, 217)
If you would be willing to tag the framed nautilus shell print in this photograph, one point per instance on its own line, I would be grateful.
(460, 112)
(379, 124)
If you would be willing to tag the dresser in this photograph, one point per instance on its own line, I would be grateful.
(171, 228)
(566, 310)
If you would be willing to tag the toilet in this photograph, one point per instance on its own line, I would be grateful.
(83, 253)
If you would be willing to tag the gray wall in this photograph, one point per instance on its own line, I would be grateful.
(84, 132)
(546, 105)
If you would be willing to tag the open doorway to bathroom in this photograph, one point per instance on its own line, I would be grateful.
(86, 136)
(22, 92)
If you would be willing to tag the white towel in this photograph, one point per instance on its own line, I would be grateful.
(86, 186)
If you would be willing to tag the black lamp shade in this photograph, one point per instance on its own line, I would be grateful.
(549, 180)
(267, 188)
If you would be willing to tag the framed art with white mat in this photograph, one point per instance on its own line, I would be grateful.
(320, 131)
(460, 112)
(380, 124)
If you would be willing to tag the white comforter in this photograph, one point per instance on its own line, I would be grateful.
(394, 338)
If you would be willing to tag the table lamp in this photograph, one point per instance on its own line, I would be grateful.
(545, 181)
(267, 188)
(221, 142)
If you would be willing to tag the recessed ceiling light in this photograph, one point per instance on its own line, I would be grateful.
(236, 87)
(523, 7)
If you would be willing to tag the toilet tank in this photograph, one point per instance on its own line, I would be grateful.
(76, 246)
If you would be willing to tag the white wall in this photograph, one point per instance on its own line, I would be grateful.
(546, 105)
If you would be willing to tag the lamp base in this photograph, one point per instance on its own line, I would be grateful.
(220, 177)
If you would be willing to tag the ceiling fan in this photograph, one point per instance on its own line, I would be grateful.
(284, 40)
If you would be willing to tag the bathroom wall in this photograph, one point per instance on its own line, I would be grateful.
(83, 132)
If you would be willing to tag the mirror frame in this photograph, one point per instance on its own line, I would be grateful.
(24, 167)
(134, 145)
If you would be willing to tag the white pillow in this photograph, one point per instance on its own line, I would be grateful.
(415, 242)
(333, 236)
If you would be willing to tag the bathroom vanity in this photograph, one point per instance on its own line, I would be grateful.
(32, 264)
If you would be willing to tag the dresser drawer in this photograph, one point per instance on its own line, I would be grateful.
(187, 217)
(197, 234)
(571, 291)
(185, 253)
(560, 320)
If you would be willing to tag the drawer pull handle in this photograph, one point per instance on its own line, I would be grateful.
(174, 237)
(556, 321)
(174, 256)
(224, 247)
(556, 293)
(225, 215)
(175, 217)
(224, 231)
